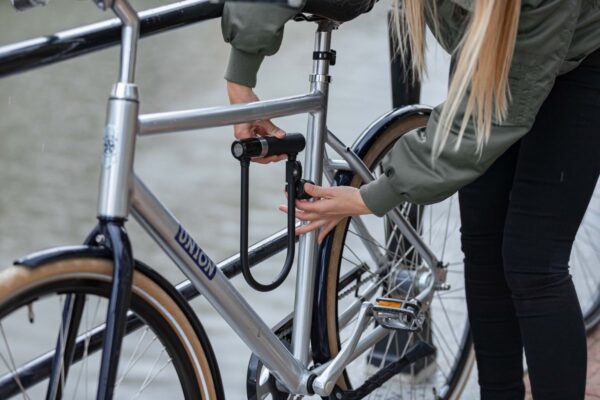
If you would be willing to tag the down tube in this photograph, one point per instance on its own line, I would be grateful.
(212, 283)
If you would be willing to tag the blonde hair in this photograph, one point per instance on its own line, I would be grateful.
(481, 70)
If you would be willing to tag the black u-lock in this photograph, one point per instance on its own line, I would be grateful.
(244, 151)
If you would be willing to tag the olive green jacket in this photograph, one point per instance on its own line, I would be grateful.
(554, 36)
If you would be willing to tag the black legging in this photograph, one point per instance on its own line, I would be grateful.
(519, 222)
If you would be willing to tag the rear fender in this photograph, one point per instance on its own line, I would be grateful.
(320, 344)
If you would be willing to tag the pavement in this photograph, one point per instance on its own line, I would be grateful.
(592, 390)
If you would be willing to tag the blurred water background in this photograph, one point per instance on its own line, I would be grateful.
(51, 124)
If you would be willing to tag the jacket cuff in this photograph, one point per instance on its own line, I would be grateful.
(243, 67)
(379, 196)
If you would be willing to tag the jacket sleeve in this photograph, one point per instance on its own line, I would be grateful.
(545, 31)
(254, 31)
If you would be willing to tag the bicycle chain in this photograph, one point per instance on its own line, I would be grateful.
(419, 350)
(372, 383)
(356, 286)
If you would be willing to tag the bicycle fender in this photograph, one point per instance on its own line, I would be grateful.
(321, 351)
(381, 124)
(366, 139)
(55, 254)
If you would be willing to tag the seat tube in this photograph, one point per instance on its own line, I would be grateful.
(313, 170)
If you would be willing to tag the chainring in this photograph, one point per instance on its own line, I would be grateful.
(260, 384)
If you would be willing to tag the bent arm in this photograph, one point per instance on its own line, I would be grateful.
(254, 31)
(545, 31)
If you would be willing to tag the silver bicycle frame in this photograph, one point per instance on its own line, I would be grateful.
(121, 192)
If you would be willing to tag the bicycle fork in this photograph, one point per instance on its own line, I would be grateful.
(116, 184)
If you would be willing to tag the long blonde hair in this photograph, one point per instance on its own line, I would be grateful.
(481, 70)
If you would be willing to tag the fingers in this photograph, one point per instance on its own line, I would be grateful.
(301, 215)
(309, 227)
(260, 128)
(305, 217)
(266, 127)
(326, 225)
(243, 131)
(326, 228)
(318, 191)
(321, 207)
(267, 160)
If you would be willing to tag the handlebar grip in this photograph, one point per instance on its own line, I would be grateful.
(265, 146)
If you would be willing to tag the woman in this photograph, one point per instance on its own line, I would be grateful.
(518, 137)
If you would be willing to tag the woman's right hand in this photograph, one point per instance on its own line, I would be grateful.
(243, 94)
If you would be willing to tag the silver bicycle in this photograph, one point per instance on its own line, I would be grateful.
(379, 306)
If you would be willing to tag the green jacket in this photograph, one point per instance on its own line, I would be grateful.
(554, 36)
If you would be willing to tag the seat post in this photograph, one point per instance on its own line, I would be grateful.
(323, 57)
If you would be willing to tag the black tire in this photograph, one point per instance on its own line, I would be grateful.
(341, 257)
(584, 261)
(169, 346)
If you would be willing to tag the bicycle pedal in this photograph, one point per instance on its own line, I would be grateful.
(397, 314)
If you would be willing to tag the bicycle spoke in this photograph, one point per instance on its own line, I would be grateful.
(88, 327)
(132, 359)
(443, 305)
(398, 273)
(356, 264)
(154, 339)
(12, 366)
(442, 338)
(151, 375)
(447, 225)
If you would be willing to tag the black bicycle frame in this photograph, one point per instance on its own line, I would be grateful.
(61, 46)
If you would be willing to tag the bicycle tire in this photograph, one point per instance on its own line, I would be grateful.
(31, 293)
(584, 260)
(333, 278)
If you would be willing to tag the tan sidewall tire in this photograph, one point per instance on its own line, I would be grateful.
(373, 155)
(17, 280)
(386, 140)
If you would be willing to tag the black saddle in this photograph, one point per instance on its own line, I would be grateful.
(338, 10)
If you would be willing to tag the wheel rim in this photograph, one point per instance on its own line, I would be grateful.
(147, 363)
(441, 376)
(584, 260)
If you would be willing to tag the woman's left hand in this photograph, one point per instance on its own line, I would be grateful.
(329, 206)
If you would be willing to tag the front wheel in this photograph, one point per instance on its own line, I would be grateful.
(367, 257)
(167, 345)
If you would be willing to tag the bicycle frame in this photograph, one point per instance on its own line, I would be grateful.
(122, 193)
(209, 280)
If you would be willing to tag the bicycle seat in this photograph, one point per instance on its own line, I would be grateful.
(336, 10)
(308, 18)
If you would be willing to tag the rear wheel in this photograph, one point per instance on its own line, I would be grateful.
(367, 257)
(168, 344)
(585, 258)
